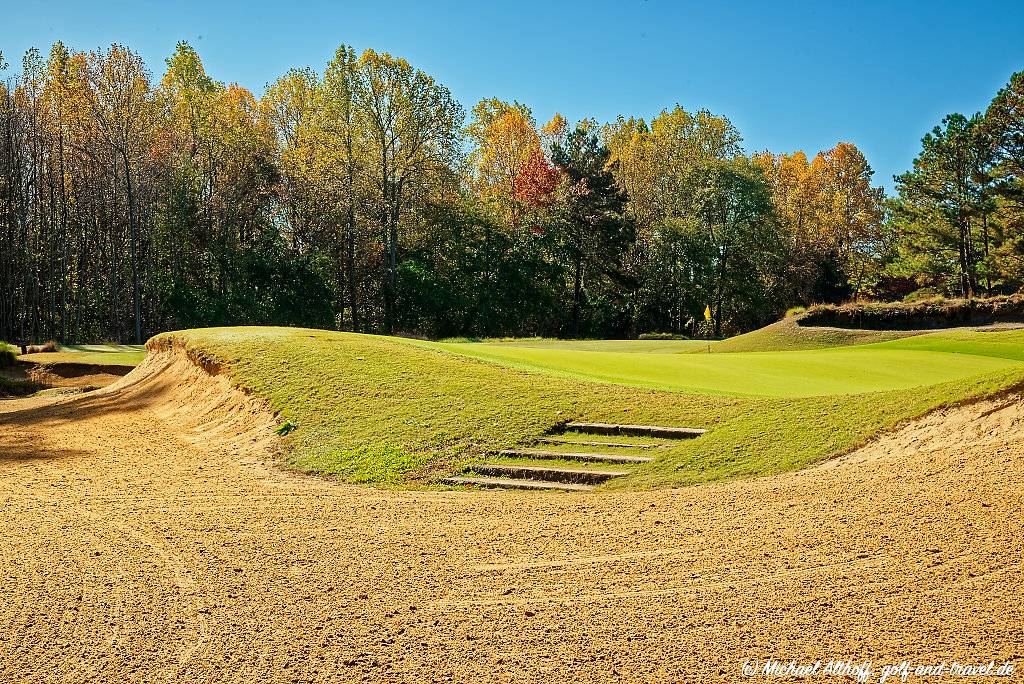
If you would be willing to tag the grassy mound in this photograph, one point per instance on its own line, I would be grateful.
(789, 335)
(386, 410)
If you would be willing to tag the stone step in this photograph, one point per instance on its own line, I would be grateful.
(630, 445)
(574, 456)
(505, 483)
(637, 430)
(543, 473)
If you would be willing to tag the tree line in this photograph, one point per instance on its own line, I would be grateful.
(363, 197)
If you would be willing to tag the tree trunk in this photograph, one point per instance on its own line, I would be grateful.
(966, 290)
(133, 238)
(720, 294)
(350, 227)
(351, 269)
(393, 253)
(577, 294)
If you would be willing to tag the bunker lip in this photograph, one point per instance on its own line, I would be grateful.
(64, 374)
(200, 399)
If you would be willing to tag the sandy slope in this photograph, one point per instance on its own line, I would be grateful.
(147, 543)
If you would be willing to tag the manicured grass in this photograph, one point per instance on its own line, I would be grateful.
(845, 370)
(92, 354)
(401, 412)
(624, 346)
(774, 436)
(105, 348)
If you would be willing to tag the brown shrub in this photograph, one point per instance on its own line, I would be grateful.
(48, 346)
(917, 315)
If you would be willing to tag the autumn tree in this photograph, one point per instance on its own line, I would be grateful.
(831, 215)
(506, 140)
(537, 181)
(735, 243)
(351, 196)
(850, 210)
(292, 106)
(591, 224)
(186, 98)
(412, 124)
(659, 165)
(122, 104)
(345, 153)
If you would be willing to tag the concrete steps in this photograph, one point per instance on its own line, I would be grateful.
(540, 474)
(610, 445)
(665, 432)
(507, 483)
(547, 474)
(587, 456)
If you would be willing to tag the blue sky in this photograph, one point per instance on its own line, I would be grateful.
(790, 76)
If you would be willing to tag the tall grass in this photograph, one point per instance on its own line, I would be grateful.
(8, 354)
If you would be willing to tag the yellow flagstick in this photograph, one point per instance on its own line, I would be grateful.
(707, 317)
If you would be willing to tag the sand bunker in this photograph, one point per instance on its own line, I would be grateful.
(146, 540)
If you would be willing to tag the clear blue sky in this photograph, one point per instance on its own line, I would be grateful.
(790, 76)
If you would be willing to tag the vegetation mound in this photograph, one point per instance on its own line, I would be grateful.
(395, 411)
(919, 315)
(791, 334)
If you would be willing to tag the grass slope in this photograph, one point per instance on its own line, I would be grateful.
(392, 411)
(991, 342)
(788, 335)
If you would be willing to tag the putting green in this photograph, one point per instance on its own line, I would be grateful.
(628, 346)
(925, 360)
